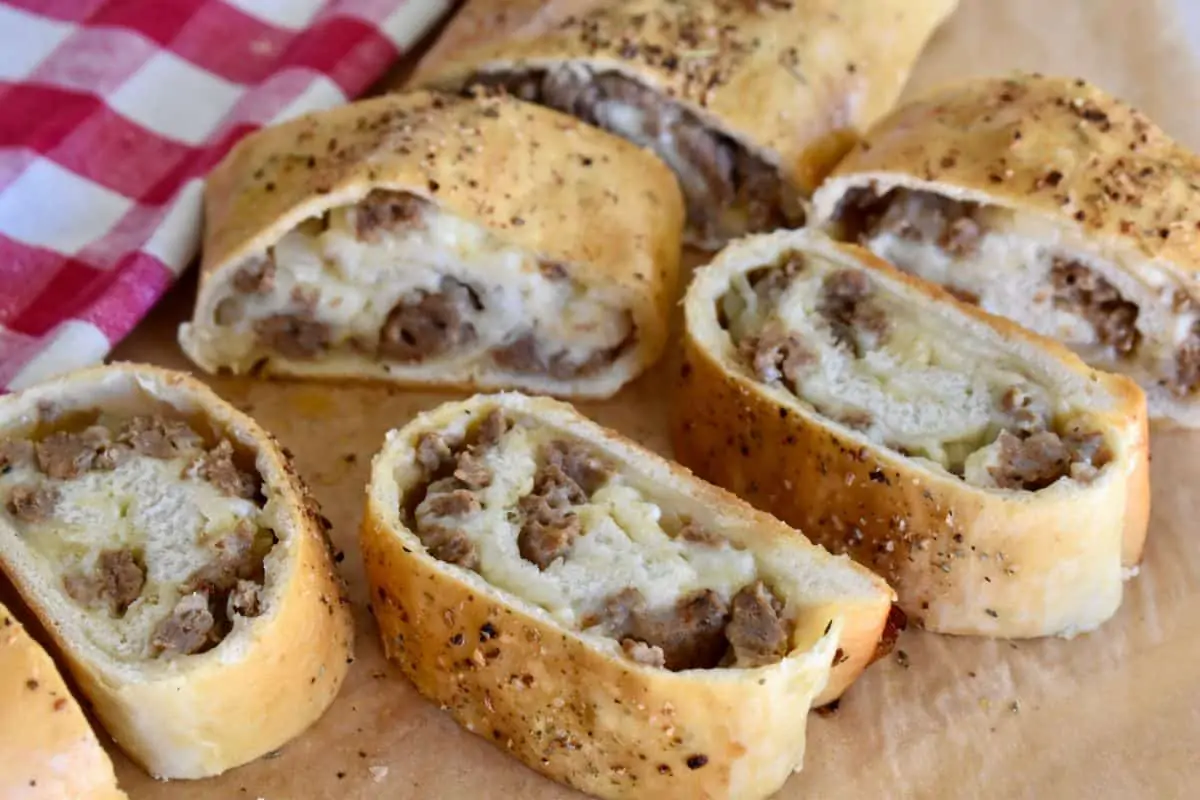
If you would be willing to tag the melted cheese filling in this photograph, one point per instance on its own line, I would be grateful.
(624, 543)
(145, 505)
(932, 393)
(357, 283)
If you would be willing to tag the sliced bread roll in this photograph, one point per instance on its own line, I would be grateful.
(750, 103)
(996, 481)
(430, 240)
(48, 750)
(1047, 201)
(598, 612)
(176, 561)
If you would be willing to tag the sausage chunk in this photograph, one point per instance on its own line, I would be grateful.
(64, 456)
(756, 632)
(853, 319)
(1083, 292)
(217, 467)
(117, 580)
(388, 211)
(157, 437)
(432, 452)
(777, 354)
(691, 635)
(429, 324)
(15, 453)
(298, 335)
(189, 628)
(32, 503)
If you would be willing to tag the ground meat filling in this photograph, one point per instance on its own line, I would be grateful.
(854, 320)
(701, 631)
(1086, 294)
(1035, 461)
(430, 324)
(527, 354)
(717, 174)
(216, 593)
(924, 217)
(116, 581)
(388, 212)
(298, 335)
(1187, 365)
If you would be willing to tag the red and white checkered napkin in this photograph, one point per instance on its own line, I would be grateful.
(112, 112)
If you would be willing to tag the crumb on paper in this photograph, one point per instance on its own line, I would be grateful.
(1015, 707)
(902, 659)
(378, 773)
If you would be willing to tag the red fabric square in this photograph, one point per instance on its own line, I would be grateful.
(39, 117)
(65, 10)
(121, 155)
(72, 285)
(250, 48)
(24, 272)
(342, 48)
(130, 291)
(159, 21)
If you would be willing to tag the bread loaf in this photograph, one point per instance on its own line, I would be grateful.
(598, 612)
(996, 481)
(177, 563)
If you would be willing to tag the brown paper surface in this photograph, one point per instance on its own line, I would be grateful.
(1113, 714)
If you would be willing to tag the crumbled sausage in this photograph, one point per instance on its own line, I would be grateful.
(895, 624)
(1082, 291)
(777, 354)
(297, 335)
(913, 215)
(32, 503)
(526, 354)
(235, 560)
(492, 428)
(691, 635)
(642, 653)
(427, 324)
(189, 628)
(432, 452)
(755, 631)
(257, 277)
(391, 211)
(245, 600)
(448, 501)
(1032, 463)
(853, 318)
(717, 173)
(472, 470)
(523, 354)
(217, 467)
(579, 464)
(15, 453)
(157, 437)
(117, 579)
(449, 544)
(547, 532)
(63, 455)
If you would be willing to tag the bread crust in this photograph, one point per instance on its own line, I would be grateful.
(609, 212)
(271, 676)
(48, 750)
(1054, 148)
(574, 708)
(964, 560)
(793, 82)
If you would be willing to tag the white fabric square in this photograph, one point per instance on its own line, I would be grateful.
(321, 93)
(176, 99)
(51, 207)
(283, 13)
(74, 344)
(408, 23)
(27, 40)
(177, 236)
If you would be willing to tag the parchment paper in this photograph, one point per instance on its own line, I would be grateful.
(1112, 714)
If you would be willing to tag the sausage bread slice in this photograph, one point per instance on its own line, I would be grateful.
(995, 480)
(750, 103)
(430, 240)
(177, 563)
(600, 613)
(1047, 201)
(48, 750)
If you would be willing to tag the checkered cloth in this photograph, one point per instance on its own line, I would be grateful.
(112, 112)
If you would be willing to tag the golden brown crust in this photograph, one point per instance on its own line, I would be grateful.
(609, 212)
(48, 750)
(1056, 147)
(963, 559)
(272, 676)
(572, 707)
(794, 80)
